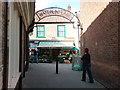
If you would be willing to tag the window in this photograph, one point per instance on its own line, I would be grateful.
(40, 31)
(61, 31)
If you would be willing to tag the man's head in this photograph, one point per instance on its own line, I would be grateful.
(86, 50)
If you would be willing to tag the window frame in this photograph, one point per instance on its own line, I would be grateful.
(58, 35)
(40, 31)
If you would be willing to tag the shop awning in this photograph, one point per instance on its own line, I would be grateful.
(56, 45)
(71, 49)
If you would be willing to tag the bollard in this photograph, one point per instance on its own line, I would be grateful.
(57, 66)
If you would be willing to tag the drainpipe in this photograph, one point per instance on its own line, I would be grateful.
(27, 51)
(30, 29)
(5, 51)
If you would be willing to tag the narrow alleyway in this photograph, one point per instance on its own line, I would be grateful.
(43, 75)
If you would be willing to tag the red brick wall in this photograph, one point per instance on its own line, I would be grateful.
(101, 38)
(119, 35)
(119, 39)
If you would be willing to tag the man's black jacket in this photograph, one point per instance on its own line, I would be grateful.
(86, 59)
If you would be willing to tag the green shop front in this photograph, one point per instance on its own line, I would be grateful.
(54, 48)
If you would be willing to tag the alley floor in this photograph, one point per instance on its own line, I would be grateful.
(43, 75)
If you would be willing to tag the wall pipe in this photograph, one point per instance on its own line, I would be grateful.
(5, 50)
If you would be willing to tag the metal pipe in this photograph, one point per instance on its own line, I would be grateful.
(78, 31)
(78, 39)
(5, 52)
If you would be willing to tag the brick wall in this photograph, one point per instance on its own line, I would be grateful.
(119, 36)
(89, 11)
(1, 29)
(101, 38)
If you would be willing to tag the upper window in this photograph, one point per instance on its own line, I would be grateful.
(61, 31)
(40, 31)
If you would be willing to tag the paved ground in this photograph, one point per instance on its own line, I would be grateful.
(43, 75)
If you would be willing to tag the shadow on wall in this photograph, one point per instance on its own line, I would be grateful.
(101, 38)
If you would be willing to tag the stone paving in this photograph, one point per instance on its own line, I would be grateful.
(43, 75)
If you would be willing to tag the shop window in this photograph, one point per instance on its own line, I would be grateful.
(61, 31)
(40, 31)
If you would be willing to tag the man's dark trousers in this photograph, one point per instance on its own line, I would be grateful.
(87, 67)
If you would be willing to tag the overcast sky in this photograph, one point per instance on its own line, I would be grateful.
(41, 4)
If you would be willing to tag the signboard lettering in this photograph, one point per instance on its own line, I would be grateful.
(49, 12)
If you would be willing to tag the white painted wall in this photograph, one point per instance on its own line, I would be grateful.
(13, 47)
(51, 32)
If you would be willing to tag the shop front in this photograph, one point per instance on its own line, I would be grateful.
(54, 48)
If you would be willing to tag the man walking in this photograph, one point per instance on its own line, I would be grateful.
(87, 66)
(35, 59)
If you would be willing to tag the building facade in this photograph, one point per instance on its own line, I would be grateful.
(54, 36)
(54, 30)
(16, 19)
(100, 35)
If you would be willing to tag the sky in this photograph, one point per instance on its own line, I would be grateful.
(41, 4)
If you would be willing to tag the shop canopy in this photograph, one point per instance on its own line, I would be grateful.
(71, 49)
(56, 45)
